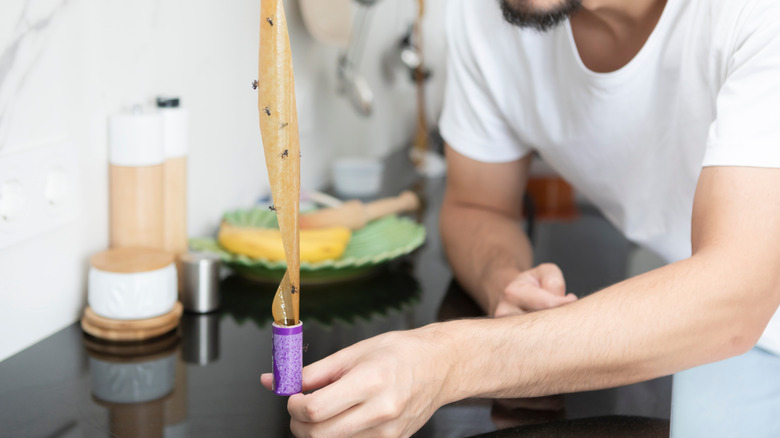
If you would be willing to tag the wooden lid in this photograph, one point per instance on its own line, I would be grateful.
(131, 260)
(130, 331)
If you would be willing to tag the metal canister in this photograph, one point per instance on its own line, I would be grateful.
(200, 291)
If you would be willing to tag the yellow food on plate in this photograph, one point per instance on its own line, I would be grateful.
(265, 243)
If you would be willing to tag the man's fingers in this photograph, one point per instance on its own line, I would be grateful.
(337, 426)
(324, 372)
(318, 374)
(544, 300)
(312, 379)
(267, 380)
(551, 278)
(370, 419)
(531, 298)
(505, 309)
(346, 424)
(330, 401)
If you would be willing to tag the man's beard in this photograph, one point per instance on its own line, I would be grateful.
(542, 20)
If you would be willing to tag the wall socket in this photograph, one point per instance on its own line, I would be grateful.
(39, 190)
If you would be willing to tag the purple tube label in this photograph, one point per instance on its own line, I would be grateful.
(287, 358)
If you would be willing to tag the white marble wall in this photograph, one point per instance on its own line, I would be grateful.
(66, 64)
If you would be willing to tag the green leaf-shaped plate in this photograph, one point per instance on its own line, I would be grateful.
(377, 243)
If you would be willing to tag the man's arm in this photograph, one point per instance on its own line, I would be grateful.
(483, 240)
(709, 307)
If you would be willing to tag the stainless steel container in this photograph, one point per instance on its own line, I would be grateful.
(200, 275)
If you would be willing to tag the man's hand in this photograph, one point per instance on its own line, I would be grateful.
(542, 287)
(489, 253)
(387, 386)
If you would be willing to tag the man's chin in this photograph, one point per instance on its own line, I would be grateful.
(521, 13)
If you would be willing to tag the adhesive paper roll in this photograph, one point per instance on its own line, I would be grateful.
(288, 358)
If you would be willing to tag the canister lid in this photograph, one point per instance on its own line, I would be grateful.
(131, 260)
(167, 102)
(193, 258)
(135, 139)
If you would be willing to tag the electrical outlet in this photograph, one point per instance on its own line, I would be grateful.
(39, 190)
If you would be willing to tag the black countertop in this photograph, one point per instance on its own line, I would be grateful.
(204, 380)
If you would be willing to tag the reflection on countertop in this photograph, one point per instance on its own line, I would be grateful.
(596, 427)
(391, 288)
(142, 385)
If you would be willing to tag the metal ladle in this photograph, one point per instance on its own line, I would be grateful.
(352, 83)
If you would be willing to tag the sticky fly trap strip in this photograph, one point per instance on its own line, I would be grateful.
(279, 129)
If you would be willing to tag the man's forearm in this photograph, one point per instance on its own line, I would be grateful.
(682, 315)
(486, 249)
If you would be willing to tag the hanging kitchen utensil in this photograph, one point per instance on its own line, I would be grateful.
(420, 146)
(351, 82)
(328, 21)
(408, 53)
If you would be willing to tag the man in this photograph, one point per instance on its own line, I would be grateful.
(662, 113)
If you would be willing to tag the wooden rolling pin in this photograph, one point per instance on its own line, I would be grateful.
(355, 215)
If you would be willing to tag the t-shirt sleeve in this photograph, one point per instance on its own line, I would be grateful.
(746, 131)
(471, 122)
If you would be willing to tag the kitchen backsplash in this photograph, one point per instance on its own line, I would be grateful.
(66, 64)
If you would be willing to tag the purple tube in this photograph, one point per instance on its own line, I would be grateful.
(287, 358)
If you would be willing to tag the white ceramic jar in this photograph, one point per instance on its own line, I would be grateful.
(132, 283)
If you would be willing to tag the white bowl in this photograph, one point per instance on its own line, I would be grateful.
(357, 177)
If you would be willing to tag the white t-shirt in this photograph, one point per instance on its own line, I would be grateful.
(704, 90)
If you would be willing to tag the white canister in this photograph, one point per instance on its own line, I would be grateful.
(136, 156)
(175, 147)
